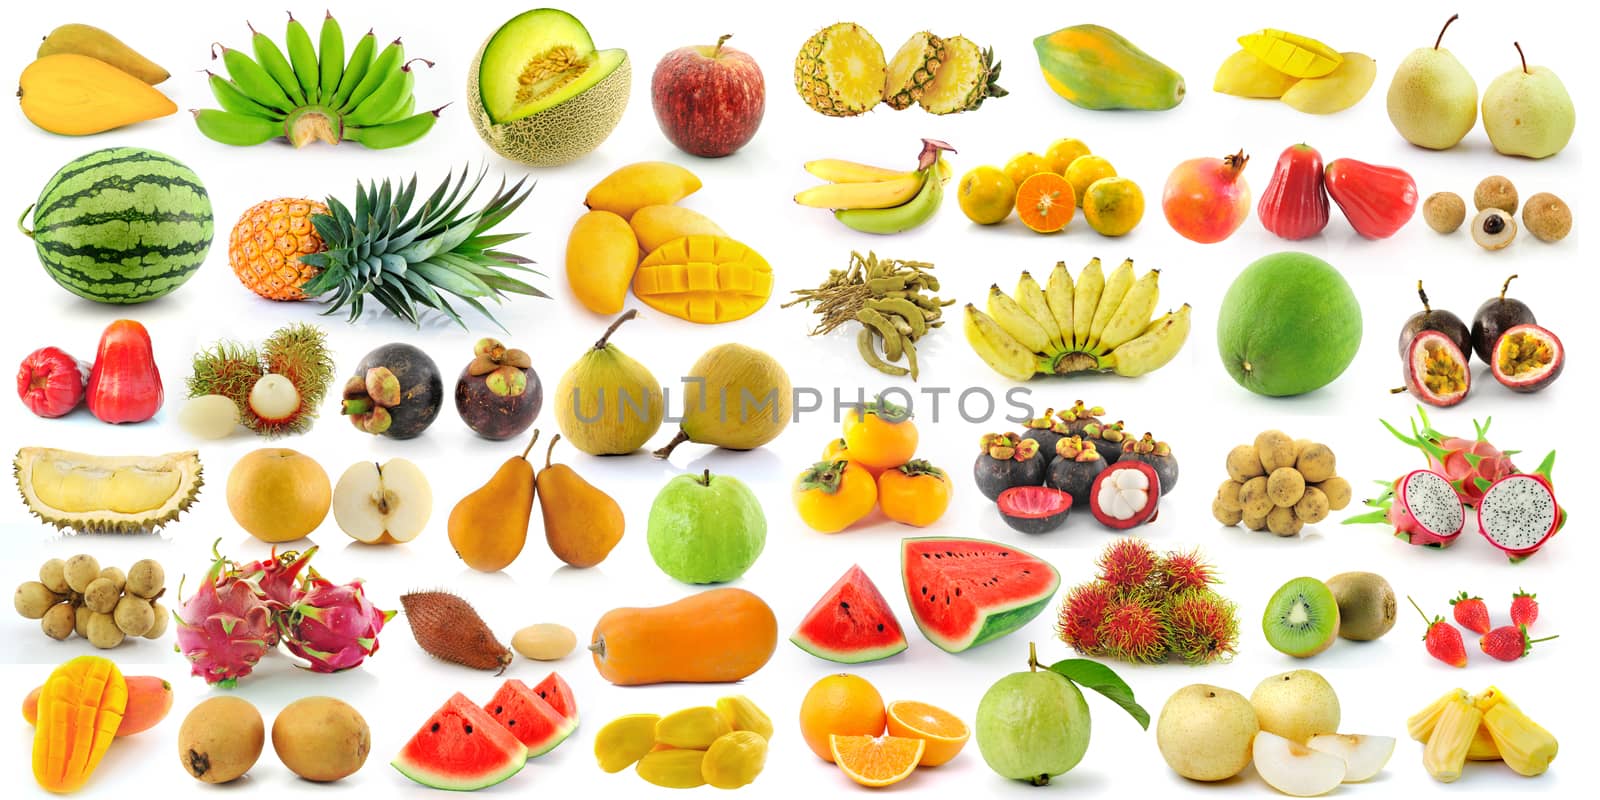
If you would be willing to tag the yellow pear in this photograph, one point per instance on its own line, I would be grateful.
(581, 523)
(489, 527)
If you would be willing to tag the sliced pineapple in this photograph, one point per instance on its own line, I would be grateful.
(965, 78)
(106, 494)
(840, 70)
(912, 69)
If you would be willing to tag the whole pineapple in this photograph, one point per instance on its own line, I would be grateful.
(966, 77)
(912, 69)
(267, 243)
(840, 70)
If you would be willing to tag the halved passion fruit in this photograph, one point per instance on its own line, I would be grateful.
(1436, 370)
(540, 93)
(1527, 358)
(1034, 509)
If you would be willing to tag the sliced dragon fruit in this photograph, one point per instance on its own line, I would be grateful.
(1423, 508)
(1519, 513)
(1470, 465)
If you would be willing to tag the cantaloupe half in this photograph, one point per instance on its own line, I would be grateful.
(540, 93)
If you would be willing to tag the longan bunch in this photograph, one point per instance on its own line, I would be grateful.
(105, 606)
(1279, 484)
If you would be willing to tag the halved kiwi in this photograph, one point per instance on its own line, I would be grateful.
(1302, 618)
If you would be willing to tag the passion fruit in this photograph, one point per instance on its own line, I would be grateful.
(1034, 509)
(1527, 358)
(1436, 370)
(1496, 316)
(1428, 319)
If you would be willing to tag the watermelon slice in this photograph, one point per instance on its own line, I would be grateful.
(461, 748)
(851, 623)
(964, 592)
(558, 694)
(535, 723)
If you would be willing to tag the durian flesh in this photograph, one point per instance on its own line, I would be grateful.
(106, 494)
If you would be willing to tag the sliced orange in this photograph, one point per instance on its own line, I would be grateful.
(876, 760)
(1046, 202)
(944, 732)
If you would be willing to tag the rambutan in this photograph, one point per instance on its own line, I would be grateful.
(1202, 627)
(1186, 571)
(1128, 563)
(277, 387)
(1134, 630)
(1083, 611)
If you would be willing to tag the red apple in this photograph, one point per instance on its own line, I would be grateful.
(709, 100)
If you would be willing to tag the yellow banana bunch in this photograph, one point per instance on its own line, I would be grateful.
(1098, 323)
(878, 200)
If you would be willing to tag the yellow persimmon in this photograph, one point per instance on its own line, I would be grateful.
(915, 493)
(832, 496)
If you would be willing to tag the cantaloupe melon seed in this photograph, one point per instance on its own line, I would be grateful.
(549, 71)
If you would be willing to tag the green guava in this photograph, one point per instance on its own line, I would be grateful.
(1033, 726)
(706, 528)
(1288, 325)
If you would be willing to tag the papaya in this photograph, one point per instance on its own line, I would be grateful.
(716, 636)
(76, 95)
(1096, 68)
(87, 40)
(149, 700)
(80, 709)
(705, 279)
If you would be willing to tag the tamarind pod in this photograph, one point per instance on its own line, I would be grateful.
(893, 344)
(867, 347)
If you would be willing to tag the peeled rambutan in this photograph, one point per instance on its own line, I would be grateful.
(1128, 563)
(1202, 627)
(1186, 571)
(1082, 613)
(1134, 630)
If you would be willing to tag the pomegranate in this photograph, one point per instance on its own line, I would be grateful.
(1207, 199)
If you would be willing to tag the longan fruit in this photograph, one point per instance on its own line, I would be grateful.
(33, 600)
(1283, 521)
(1255, 523)
(1338, 491)
(116, 576)
(1285, 487)
(1444, 211)
(1224, 515)
(80, 571)
(1244, 463)
(80, 619)
(1228, 495)
(101, 596)
(1495, 191)
(103, 631)
(159, 627)
(1254, 500)
(1276, 450)
(146, 579)
(1316, 463)
(1313, 507)
(52, 575)
(1547, 217)
(133, 615)
(58, 622)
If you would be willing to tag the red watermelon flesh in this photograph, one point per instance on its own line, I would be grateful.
(461, 748)
(526, 716)
(558, 694)
(965, 592)
(851, 624)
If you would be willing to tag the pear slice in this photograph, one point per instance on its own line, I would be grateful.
(1364, 756)
(1295, 769)
(385, 503)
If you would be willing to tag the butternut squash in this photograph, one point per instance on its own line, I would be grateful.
(716, 636)
(76, 95)
(80, 710)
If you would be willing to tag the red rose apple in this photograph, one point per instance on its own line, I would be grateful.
(709, 100)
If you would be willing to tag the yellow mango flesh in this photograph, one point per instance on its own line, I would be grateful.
(80, 709)
(705, 279)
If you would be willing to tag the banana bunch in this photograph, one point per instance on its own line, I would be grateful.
(313, 93)
(1101, 324)
(878, 200)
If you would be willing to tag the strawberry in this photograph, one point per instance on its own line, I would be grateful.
(1471, 613)
(1443, 640)
(1509, 642)
(1524, 608)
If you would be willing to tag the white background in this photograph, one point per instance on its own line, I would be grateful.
(1190, 403)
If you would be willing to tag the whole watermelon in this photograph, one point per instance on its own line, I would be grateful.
(122, 225)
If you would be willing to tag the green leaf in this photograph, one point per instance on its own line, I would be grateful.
(1101, 678)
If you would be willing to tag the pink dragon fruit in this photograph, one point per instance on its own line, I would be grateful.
(223, 629)
(333, 627)
(1470, 465)
(275, 579)
(1519, 513)
(1423, 508)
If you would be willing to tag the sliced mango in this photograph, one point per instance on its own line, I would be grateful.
(705, 279)
(1291, 53)
(80, 708)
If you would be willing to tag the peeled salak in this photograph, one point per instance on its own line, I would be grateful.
(1295, 203)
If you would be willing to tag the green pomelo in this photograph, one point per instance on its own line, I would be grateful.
(1032, 726)
(1288, 325)
(706, 528)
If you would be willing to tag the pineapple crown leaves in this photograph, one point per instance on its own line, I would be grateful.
(404, 257)
(993, 68)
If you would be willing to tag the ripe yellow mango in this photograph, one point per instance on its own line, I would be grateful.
(1244, 75)
(77, 95)
(602, 253)
(705, 279)
(647, 183)
(657, 225)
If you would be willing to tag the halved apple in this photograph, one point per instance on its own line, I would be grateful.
(384, 503)
(1295, 769)
(1364, 756)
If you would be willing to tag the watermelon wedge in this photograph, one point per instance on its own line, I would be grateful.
(558, 694)
(964, 592)
(461, 748)
(851, 624)
(535, 723)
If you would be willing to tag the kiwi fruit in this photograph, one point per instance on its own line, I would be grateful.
(1366, 605)
(1302, 618)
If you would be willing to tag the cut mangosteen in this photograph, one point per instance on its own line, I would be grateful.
(1034, 509)
(1126, 494)
(396, 392)
(498, 394)
(1075, 466)
(1156, 454)
(1007, 460)
(1436, 371)
(1496, 316)
(1429, 319)
(1527, 358)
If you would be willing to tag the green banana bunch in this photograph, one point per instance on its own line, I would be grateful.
(1100, 323)
(314, 93)
(913, 212)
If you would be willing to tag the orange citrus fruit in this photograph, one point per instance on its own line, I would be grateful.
(944, 732)
(876, 760)
(987, 195)
(1112, 206)
(1085, 170)
(1025, 165)
(1045, 202)
(846, 705)
(1061, 154)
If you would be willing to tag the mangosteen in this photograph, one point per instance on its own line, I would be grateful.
(1080, 416)
(1156, 454)
(1108, 436)
(396, 392)
(1046, 430)
(1076, 464)
(1445, 322)
(1007, 460)
(1126, 494)
(498, 394)
(1496, 316)
(1034, 509)
(1527, 358)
